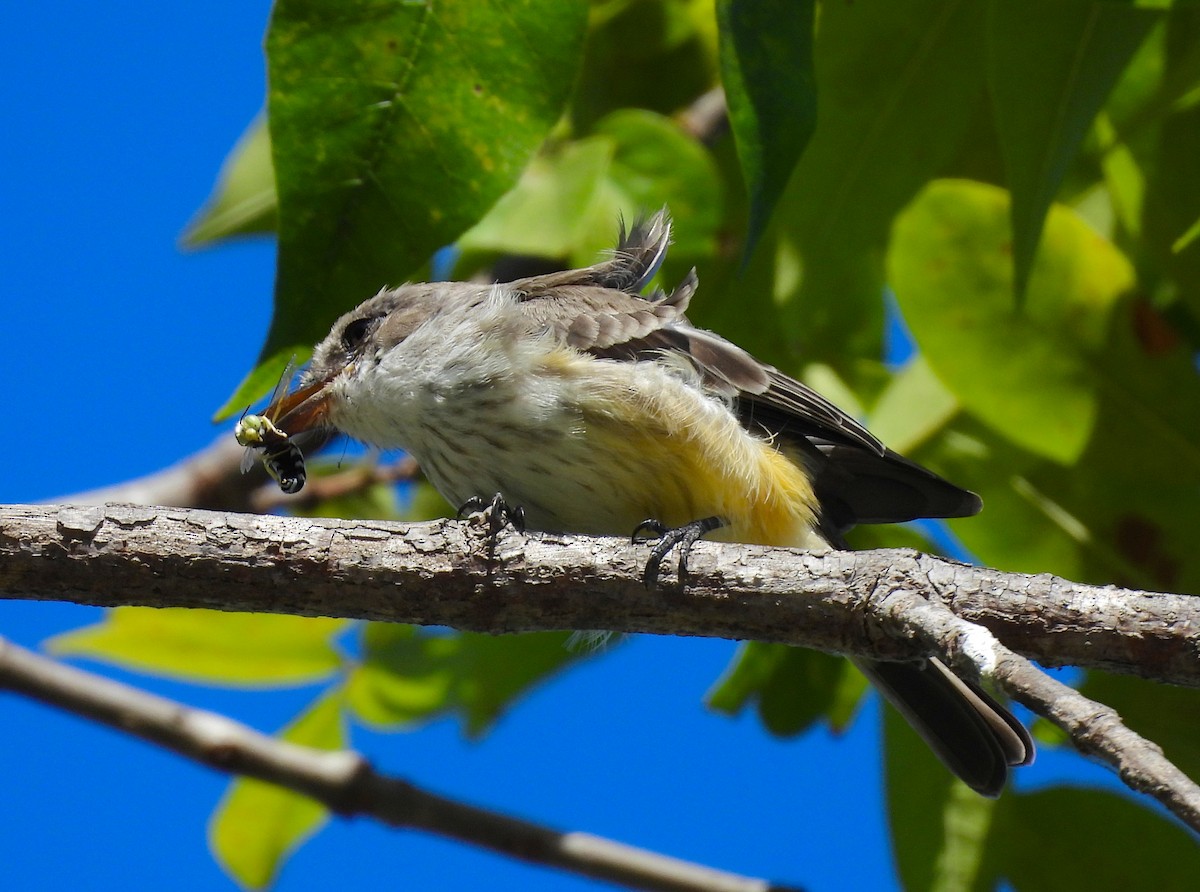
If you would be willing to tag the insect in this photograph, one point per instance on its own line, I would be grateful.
(281, 457)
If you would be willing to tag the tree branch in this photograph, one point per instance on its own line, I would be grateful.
(886, 604)
(1094, 728)
(211, 478)
(346, 783)
(451, 573)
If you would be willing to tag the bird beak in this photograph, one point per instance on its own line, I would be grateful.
(302, 409)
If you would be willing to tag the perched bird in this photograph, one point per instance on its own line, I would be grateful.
(592, 408)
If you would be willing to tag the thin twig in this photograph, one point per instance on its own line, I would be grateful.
(356, 478)
(345, 782)
(707, 118)
(210, 478)
(1094, 729)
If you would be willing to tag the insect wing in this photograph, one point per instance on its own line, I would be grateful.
(283, 384)
(259, 434)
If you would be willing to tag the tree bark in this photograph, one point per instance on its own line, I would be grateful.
(885, 604)
(454, 574)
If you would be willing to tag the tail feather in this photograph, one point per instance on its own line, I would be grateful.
(974, 736)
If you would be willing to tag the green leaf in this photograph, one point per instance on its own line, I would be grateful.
(1028, 374)
(1110, 843)
(1165, 714)
(243, 200)
(770, 88)
(376, 501)
(1050, 68)
(1193, 233)
(394, 127)
(1022, 528)
(656, 163)
(658, 55)
(211, 646)
(410, 675)
(1141, 530)
(550, 210)
(261, 380)
(939, 825)
(913, 407)
(570, 198)
(751, 668)
(426, 503)
(890, 75)
(793, 687)
(1173, 189)
(870, 536)
(258, 825)
(947, 837)
(1115, 516)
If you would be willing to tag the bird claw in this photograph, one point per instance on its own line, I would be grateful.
(497, 512)
(683, 538)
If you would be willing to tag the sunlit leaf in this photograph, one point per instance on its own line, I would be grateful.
(655, 164)
(1130, 499)
(372, 501)
(1193, 232)
(770, 88)
(243, 200)
(1123, 179)
(550, 210)
(1050, 68)
(1015, 530)
(1173, 189)
(947, 837)
(890, 75)
(258, 825)
(1029, 373)
(570, 199)
(411, 675)
(394, 127)
(889, 535)
(211, 646)
(914, 407)
(425, 503)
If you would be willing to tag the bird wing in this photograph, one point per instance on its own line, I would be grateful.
(598, 310)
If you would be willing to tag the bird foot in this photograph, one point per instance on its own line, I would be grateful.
(683, 538)
(497, 513)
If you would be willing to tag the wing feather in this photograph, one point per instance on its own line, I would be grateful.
(598, 310)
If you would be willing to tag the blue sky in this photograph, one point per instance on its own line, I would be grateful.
(118, 347)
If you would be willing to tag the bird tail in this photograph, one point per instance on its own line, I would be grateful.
(973, 735)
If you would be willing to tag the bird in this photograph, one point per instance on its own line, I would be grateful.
(596, 409)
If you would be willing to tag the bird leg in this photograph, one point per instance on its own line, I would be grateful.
(683, 537)
(498, 513)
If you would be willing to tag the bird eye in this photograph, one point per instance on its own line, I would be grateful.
(354, 333)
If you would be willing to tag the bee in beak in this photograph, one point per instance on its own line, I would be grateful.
(269, 435)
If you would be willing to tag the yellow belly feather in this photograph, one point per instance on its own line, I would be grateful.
(665, 449)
